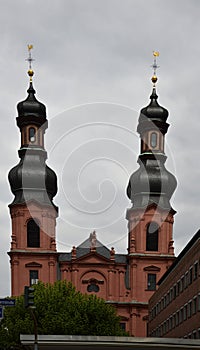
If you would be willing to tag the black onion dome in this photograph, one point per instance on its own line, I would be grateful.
(32, 179)
(153, 116)
(151, 183)
(51, 182)
(31, 110)
(154, 111)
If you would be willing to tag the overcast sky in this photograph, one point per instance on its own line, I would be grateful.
(92, 71)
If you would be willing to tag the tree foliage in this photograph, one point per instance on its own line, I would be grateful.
(60, 309)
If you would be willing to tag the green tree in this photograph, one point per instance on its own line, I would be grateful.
(60, 309)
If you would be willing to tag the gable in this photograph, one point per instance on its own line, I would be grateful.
(33, 264)
(152, 268)
(93, 258)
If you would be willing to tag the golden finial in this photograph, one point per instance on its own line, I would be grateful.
(30, 60)
(155, 66)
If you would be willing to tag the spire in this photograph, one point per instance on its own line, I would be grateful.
(32, 179)
(153, 112)
(155, 67)
(30, 60)
(31, 107)
(152, 183)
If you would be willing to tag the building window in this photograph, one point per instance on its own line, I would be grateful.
(167, 326)
(198, 302)
(185, 312)
(33, 276)
(194, 334)
(151, 283)
(31, 134)
(190, 275)
(33, 234)
(177, 318)
(175, 291)
(161, 330)
(170, 323)
(198, 333)
(93, 287)
(178, 288)
(154, 311)
(153, 140)
(159, 304)
(157, 308)
(190, 308)
(167, 299)
(195, 270)
(194, 305)
(164, 327)
(186, 280)
(181, 315)
(171, 295)
(123, 326)
(174, 320)
(182, 284)
(152, 237)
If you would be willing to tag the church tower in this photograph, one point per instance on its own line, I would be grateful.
(150, 219)
(33, 253)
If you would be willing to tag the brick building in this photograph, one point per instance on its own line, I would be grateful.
(174, 309)
(125, 280)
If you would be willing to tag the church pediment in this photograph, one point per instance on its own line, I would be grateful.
(33, 264)
(152, 268)
(93, 258)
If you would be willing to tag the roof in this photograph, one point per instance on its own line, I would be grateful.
(84, 249)
(194, 239)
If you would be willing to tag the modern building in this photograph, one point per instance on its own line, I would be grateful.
(125, 280)
(174, 309)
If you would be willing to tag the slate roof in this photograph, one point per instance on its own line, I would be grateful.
(84, 249)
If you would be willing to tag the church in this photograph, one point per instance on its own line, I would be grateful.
(126, 281)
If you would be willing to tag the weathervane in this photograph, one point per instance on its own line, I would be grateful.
(155, 66)
(30, 60)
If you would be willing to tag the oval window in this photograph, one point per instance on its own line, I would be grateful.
(32, 134)
(153, 140)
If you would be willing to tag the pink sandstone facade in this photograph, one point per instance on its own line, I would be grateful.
(24, 259)
(126, 281)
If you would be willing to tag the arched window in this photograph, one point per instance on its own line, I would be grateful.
(32, 134)
(152, 237)
(93, 288)
(153, 140)
(33, 234)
